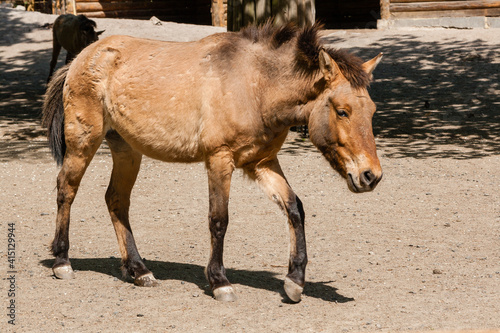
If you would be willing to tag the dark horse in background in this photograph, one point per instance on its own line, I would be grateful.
(73, 33)
(228, 101)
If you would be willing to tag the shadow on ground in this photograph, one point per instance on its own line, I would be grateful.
(195, 274)
(436, 99)
(22, 79)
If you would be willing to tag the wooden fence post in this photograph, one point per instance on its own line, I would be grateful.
(263, 10)
(385, 13)
(243, 12)
(218, 13)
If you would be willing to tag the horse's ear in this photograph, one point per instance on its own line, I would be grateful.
(328, 66)
(370, 65)
(100, 32)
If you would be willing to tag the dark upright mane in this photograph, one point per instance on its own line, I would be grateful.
(308, 47)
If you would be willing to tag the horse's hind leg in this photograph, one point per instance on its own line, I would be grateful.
(81, 146)
(126, 164)
(271, 179)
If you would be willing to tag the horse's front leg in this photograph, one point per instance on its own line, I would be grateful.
(69, 56)
(219, 168)
(271, 179)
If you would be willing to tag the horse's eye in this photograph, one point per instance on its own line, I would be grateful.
(342, 113)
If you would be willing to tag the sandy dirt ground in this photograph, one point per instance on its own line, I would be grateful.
(420, 253)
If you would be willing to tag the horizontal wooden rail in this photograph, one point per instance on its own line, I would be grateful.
(146, 14)
(152, 4)
(83, 7)
(404, 1)
(490, 12)
(443, 5)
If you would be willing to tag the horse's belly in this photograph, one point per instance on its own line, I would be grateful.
(165, 148)
(158, 132)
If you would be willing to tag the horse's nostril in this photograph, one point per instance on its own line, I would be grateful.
(368, 177)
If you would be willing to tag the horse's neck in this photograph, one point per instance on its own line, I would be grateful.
(290, 102)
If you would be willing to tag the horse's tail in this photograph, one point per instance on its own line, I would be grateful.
(53, 114)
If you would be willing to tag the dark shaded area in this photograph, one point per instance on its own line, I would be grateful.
(193, 12)
(21, 86)
(20, 150)
(194, 274)
(33, 150)
(334, 14)
(337, 14)
(297, 144)
(436, 99)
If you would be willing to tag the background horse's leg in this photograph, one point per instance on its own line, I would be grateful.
(56, 48)
(126, 164)
(80, 149)
(219, 168)
(271, 179)
(69, 57)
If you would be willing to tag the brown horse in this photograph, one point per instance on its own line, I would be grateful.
(73, 33)
(227, 100)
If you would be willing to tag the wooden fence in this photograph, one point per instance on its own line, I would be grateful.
(395, 9)
(191, 11)
(341, 14)
(241, 13)
(219, 13)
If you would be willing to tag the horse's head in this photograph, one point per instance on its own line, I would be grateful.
(88, 35)
(340, 125)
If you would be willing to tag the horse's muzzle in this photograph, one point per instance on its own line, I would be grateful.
(365, 182)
